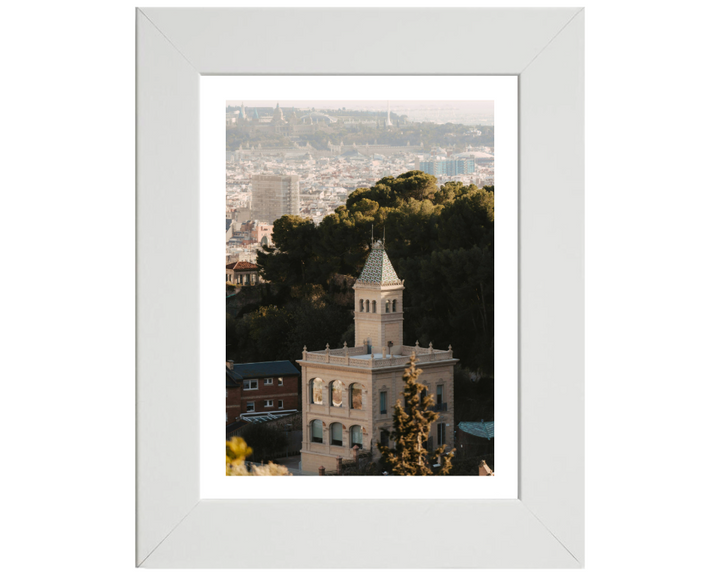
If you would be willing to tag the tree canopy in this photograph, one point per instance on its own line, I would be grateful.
(440, 240)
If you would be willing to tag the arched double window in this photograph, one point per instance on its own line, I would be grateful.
(316, 431)
(336, 393)
(316, 390)
(387, 306)
(355, 394)
(336, 434)
(356, 436)
(362, 305)
(374, 307)
(394, 306)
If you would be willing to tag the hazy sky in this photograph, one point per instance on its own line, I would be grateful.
(460, 111)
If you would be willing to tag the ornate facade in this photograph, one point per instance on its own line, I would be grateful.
(349, 393)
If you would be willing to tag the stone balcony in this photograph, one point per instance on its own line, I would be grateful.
(358, 357)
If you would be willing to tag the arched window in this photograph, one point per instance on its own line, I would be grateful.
(316, 428)
(336, 434)
(355, 394)
(356, 436)
(367, 305)
(374, 307)
(316, 385)
(394, 306)
(387, 306)
(336, 393)
(362, 306)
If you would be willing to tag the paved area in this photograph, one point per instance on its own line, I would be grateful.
(293, 465)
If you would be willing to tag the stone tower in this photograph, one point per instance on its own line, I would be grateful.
(379, 304)
(348, 393)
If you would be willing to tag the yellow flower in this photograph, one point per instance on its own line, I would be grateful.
(236, 450)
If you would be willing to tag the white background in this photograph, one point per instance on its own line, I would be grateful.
(214, 92)
(652, 285)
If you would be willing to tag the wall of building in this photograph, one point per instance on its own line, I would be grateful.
(237, 399)
(329, 414)
(379, 326)
(369, 417)
(393, 384)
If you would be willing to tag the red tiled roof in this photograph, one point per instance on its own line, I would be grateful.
(241, 266)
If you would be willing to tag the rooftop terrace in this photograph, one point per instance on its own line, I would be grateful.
(358, 357)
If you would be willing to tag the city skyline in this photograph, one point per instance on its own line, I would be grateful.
(469, 112)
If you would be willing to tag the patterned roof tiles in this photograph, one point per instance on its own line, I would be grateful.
(378, 269)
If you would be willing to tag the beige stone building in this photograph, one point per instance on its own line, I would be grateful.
(349, 393)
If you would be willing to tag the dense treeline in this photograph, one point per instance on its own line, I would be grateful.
(440, 240)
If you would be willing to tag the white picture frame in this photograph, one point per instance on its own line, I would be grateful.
(544, 527)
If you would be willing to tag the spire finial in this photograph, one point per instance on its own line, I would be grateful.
(372, 234)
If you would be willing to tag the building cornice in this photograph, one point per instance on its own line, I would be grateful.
(376, 369)
(378, 287)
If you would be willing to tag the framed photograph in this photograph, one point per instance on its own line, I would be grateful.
(316, 300)
(341, 247)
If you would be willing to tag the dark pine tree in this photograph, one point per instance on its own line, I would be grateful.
(411, 428)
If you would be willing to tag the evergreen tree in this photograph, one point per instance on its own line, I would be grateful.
(439, 239)
(411, 428)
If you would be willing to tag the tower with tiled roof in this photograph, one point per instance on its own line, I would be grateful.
(349, 393)
(379, 304)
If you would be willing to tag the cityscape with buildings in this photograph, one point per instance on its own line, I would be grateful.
(306, 162)
(330, 355)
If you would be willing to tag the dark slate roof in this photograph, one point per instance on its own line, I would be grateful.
(480, 429)
(262, 369)
(228, 223)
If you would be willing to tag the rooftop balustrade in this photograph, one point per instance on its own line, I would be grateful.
(357, 356)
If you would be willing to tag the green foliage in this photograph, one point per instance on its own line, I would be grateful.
(455, 302)
(478, 397)
(365, 466)
(392, 192)
(291, 258)
(441, 241)
(411, 428)
(231, 340)
(274, 333)
(266, 441)
(470, 466)
(467, 219)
